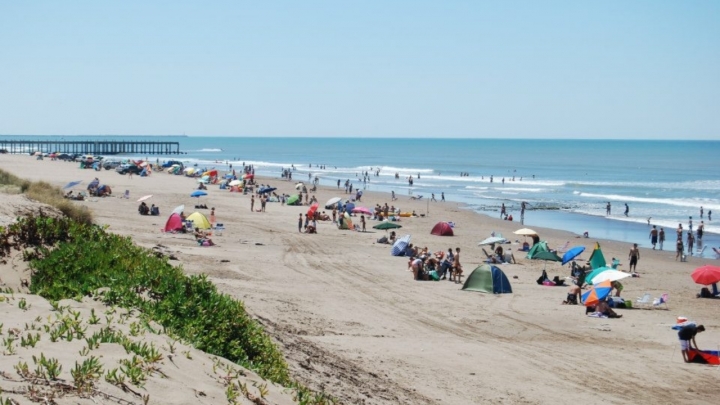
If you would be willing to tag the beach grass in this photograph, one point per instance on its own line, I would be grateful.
(71, 259)
(48, 194)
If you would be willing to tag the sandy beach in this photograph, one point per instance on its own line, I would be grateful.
(351, 320)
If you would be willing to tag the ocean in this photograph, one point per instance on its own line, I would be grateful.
(565, 183)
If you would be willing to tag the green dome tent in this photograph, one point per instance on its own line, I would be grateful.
(537, 248)
(488, 279)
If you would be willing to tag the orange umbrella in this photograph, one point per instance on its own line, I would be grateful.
(597, 293)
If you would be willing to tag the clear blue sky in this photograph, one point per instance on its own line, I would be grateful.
(523, 69)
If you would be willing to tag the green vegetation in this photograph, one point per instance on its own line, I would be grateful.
(71, 259)
(48, 194)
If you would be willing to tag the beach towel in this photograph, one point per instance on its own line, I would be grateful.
(596, 315)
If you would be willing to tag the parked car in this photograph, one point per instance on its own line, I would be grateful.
(110, 164)
(125, 169)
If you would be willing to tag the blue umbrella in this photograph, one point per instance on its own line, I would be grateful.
(572, 253)
(267, 190)
(398, 248)
(72, 184)
(197, 193)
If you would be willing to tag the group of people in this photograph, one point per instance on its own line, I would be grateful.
(435, 266)
(143, 209)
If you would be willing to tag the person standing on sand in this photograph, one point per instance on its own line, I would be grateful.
(442, 196)
(653, 236)
(661, 237)
(263, 200)
(502, 210)
(457, 266)
(300, 223)
(679, 248)
(212, 216)
(634, 256)
(392, 195)
(362, 221)
(252, 203)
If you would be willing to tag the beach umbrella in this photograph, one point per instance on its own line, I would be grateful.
(385, 225)
(332, 202)
(596, 293)
(362, 210)
(610, 275)
(236, 182)
(267, 190)
(399, 246)
(706, 274)
(292, 199)
(144, 198)
(525, 232)
(572, 253)
(179, 209)
(492, 240)
(546, 256)
(594, 273)
(299, 186)
(72, 184)
(311, 211)
(198, 193)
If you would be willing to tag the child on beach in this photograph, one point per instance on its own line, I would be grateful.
(212, 216)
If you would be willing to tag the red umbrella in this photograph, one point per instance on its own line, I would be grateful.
(312, 209)
(706, 274)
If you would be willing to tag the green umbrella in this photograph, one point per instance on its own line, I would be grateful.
(387, 225)
(547, 256)
(292, 200)
(589, 278)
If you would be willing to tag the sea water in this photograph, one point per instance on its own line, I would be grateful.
(565, 183)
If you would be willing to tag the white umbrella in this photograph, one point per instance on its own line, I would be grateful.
(491, 240)
(235, 183)
(179, 209)
(610, 275)
(299, 186)
(332, 202)
(144, 198)
(525, 232)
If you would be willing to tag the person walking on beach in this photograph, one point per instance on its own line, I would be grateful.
(653, 236)
(442, 196)
(607, 209)
(392, 195)
(300, 223)
(634, 256)
(690, 242)
(502, 210)
(661, 237)
(252, 202)
(627, 210)
(457, 267)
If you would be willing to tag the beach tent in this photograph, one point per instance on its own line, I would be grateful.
(442, 229)
(597, 259)
(199, 220)
(704, 356)
(537, 248)
(346, 222)
(398, 248)
(174, 223)
(488, 279)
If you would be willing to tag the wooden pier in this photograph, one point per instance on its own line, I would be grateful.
(91, 147)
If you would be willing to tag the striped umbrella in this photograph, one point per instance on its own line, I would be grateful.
(399, 246)
(596, 293)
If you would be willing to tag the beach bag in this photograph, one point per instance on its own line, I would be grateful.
(705, 293)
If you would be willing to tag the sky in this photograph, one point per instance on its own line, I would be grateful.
(475, 69)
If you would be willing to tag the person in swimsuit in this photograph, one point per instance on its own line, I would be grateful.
(661, 237)
(457, 266)
(634, 256)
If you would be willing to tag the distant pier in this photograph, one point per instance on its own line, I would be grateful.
(90, 147)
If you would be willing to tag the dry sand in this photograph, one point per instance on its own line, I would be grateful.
(351, 320)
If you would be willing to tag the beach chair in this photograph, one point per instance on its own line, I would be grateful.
(488, 257)
(662, 300)
(219, 228)
(189, 226)
(644, 300)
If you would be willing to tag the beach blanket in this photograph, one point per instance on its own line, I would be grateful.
(596, 315)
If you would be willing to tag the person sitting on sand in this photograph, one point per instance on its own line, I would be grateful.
(573, 295)
(603, 308)
(143, 209)
(202, 238)
(499, 254)
(392, 237)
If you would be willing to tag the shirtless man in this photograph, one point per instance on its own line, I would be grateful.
(634, 256)
(457, 266)
(653, 236)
